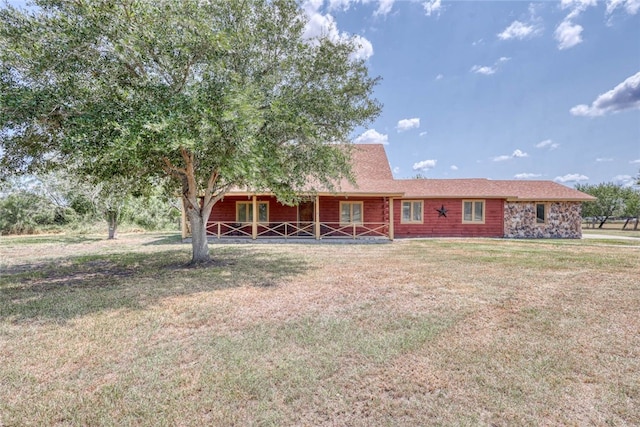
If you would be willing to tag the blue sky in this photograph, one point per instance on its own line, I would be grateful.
(500, 89)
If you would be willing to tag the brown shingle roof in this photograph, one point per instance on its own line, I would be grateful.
(371, 171)
(540, 190)
(486, 188)
(373, 176)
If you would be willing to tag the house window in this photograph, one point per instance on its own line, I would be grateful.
(244, 212)
(473, 211)
(350, 212)
(412, 211)
(541, 213)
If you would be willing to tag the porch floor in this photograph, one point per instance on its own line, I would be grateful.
(297, 240)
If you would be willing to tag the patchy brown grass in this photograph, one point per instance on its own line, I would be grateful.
(612, 228)
(432, 332)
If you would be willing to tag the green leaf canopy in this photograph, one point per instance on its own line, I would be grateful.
(215, 93)
(131, 86)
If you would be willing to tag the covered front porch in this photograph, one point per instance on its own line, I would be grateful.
(353, 217)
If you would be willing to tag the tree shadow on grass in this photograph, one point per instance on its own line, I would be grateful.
(169, 239)
(59, 239)
(63, 289)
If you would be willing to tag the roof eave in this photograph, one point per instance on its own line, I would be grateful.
(549, 199)
(452, 197)
(323, 193)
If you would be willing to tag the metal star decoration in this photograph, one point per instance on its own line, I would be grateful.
(442, 212)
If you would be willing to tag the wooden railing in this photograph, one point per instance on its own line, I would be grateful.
(354, 231)
(297, 230)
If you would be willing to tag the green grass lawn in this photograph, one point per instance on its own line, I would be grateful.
(423, 332)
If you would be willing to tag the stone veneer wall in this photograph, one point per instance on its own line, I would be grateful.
(564, 220)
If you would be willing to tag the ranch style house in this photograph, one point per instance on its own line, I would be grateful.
(379, 206)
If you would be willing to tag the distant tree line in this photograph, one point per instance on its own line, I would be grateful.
(613, 201)
(55, 202)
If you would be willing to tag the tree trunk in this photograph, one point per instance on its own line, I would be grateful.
(603, 221)
(112, 222)
(199, 243)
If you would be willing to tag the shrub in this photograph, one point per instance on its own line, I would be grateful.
(22, 212)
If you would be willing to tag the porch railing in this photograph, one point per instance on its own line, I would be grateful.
(297, 230)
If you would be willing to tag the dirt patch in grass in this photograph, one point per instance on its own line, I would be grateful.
(433, 332)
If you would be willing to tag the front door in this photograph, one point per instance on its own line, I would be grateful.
(305, 218)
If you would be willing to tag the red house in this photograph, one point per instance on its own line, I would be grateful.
(379, 206)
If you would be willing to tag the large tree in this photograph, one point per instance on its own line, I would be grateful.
(610, 201)
(216, 94)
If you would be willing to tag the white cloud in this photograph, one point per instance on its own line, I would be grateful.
(454, 168)
(501, 158)
(312, 6)
(439, 77)
(568, 34)
(488, 70)
(425, 165)
(396, 170)
(625, 96)
(365, 48)
(384, 7)
(576, 6)
(630, 6)
(516, 154)
(423, 133)
(432, 7)
(372, 136)
(406, 124)
(604, 159)
(519, 30)
(339, 4)
(635, 162)
(527, 175)
(547, 143)
(624, 180)
(319, 25)
(571, 177)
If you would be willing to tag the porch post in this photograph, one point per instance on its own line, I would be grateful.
(183, 220)
(254, 223)
(316, 217)
(390, 218)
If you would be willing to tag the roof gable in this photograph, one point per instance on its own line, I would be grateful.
(370, 161)
(371, 171)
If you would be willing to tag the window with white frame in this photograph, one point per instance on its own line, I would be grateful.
(473, 211)
(244, 212)
(351, 212)
(412, 211)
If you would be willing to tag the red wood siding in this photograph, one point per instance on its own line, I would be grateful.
(451, 226)
(225, 210)
(374, 211)
(373, 208)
